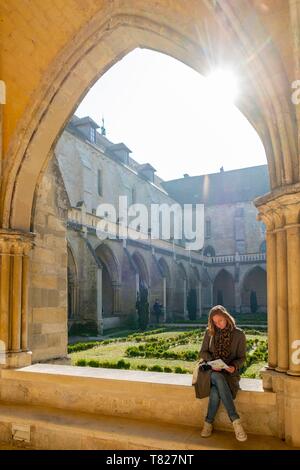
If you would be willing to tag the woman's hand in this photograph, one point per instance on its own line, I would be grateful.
(230, 369)
(216, 370)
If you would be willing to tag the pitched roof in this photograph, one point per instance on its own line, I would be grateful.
(85, 120)
(146, 166)
(233, 186)
(119, 146)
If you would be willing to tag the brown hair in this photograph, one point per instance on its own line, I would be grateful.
(219, 310)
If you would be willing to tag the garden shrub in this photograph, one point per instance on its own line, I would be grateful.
(180, 370)
(83, 346)
(121, 364)
(155, 368)
(81, 362)
(93, 363)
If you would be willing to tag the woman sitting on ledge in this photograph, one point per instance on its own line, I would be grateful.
(223, 340)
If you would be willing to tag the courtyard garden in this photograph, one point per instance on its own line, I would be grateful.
(162, 350)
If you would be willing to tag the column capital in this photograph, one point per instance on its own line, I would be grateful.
(266, 215)
(280, 212)
(14, 242)
(291, 213)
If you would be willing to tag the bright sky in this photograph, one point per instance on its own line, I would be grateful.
(168, 115)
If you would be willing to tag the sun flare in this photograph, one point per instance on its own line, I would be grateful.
(222, 86)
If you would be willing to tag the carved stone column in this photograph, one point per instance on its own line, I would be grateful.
(14, 279)
(282, 217)
(266, 215)
(292, 216)
(282, 292)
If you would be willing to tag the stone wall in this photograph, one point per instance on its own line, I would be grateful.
(86, 309)
(137, 395)
(79, 163)
(234, 228)
(48, 288)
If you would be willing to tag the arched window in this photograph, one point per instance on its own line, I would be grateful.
(209, 251)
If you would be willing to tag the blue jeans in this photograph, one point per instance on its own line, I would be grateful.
(220, 391)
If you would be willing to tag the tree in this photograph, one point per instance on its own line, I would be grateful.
(192, 304)
(142, 307)
(253, 302)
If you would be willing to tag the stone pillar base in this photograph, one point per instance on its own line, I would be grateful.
(100, 327)
(280, 369)
(15, 360)
(287, 389)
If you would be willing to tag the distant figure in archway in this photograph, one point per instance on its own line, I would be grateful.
(223, 340)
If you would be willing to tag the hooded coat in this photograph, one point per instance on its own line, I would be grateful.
(236, 358)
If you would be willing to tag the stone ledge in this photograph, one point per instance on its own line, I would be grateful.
(55, 429)
(152, 396)
(253, 385)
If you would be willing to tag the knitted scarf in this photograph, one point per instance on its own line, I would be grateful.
(222, 343)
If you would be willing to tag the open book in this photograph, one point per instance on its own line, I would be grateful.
(218, 364)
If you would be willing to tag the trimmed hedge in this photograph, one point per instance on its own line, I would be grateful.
(121, 364)
(83, 346)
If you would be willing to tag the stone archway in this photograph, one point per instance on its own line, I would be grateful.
(180, 291)
(185, 34)
(107, 293)
(141, 265)
(111, 280)
(55, 80)
(107, 37)
(255, 281)
(223, 290)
